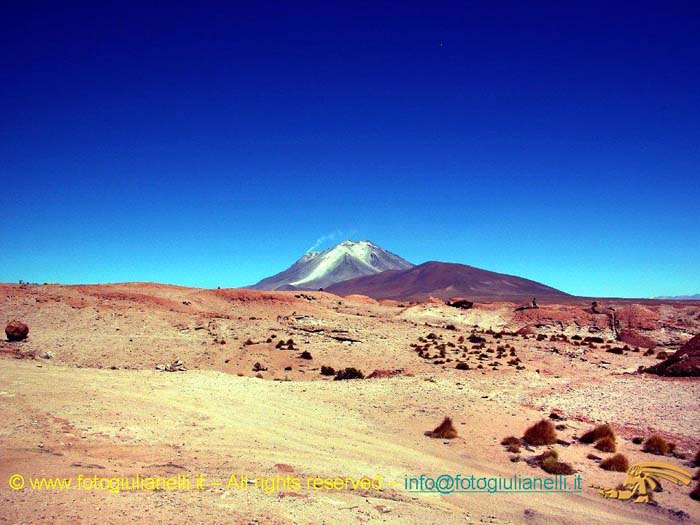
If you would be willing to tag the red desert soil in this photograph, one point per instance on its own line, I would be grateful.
(87, 399)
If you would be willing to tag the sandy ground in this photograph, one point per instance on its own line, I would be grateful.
(96, 405)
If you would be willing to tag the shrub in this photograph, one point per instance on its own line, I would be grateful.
(462, 366)
(695, 494)
(662, 355)
(327, 371)
(541, 433)
(597, 433)
(444, 430)
(349, 373)
(696, 460)
(476, 339)
(606, 444)
(655, 444)
(616, 463)
(305, 355)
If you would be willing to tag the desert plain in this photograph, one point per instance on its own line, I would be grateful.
(157, 380)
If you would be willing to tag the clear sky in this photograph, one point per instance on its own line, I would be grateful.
(207, 146)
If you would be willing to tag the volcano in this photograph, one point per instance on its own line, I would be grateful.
(344, 261)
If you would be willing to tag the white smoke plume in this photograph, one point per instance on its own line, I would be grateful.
(325, 238)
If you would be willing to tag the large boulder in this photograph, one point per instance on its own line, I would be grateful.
(16, 331)
(684, 363)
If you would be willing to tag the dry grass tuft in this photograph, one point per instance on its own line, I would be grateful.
(349, 373)
(554, 466)
(513, 448)
(616, 463)
(656, 444)
(541, 433)
(606, 444)
(547, 454)
(510, 440)
(597, 433)
(444, 430)
(549, 462)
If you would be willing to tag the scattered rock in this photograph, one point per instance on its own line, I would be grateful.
(526, 330)
(17, 354)
(283, 467)
(175, 366)
(380, 374)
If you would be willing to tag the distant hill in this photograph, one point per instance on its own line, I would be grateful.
(694, 297)
(445, 280)
(344, 261)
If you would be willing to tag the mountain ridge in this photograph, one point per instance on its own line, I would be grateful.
(689, 297)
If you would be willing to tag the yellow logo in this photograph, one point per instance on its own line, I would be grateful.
(643, 478)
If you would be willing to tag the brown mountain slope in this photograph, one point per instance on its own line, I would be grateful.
(444, 280)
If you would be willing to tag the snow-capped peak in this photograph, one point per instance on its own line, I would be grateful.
(344, 261)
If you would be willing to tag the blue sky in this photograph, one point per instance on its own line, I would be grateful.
(211, 146)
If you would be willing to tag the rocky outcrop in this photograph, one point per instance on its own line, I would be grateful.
(684, 363)
(459, 302)
(635, 339)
